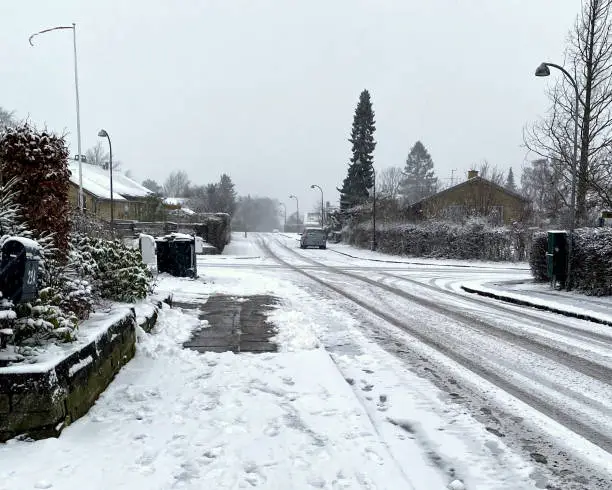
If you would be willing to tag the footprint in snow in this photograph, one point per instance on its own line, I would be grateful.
(273, 429)
(43, 484)
(288, 380)
(373, 456)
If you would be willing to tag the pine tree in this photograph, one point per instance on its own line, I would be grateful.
(226, 195)
(360, 176)
(420, 180)
(510, 185)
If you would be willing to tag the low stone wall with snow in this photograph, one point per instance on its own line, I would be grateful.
(40, 401)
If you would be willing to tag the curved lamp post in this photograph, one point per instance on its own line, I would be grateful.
(78, 111)
(543, 71)
(297, 204)
(103, 134)
(315, 186)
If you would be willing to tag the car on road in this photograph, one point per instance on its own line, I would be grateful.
(314, 237)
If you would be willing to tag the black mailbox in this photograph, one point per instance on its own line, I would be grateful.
(176, 255)
(19, 269)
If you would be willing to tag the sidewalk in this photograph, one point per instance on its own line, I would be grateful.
(543, 297)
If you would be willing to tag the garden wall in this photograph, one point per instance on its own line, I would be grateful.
(40, 400)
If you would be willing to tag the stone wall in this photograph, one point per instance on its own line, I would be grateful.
(41, 403)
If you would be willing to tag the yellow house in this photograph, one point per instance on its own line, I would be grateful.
(474, 197)
(128, 195)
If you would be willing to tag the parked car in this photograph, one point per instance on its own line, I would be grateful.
(275, 231)
(314, 237)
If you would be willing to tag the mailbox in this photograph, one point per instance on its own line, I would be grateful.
(19, 269)
(556, 256)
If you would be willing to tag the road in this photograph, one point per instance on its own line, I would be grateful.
(539, 380)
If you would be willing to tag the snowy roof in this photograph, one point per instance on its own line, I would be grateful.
(175, 201)
(472, 180)
(96, 181)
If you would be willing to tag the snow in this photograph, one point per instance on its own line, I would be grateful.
(277, 421)
(27, 242)
(75, 368)
(543, 295)
(177, 236)
(331, 410)
(7, 315)
(96, 181)
(47, 357)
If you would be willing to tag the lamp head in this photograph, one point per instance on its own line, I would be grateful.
(542, 70)
(102, 133)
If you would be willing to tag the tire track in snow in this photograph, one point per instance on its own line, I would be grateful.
(569, 420)
(536, 346)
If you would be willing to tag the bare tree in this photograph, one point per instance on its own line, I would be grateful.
(588, 58)
(388, 182)
(6, 118)
(99, 156)
(153, 186)
(176, 184)
(492, 173)
(542, 183)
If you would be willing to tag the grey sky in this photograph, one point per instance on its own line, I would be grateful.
(265, 90)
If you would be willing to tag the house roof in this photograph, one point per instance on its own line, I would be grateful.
(465, 183)
(96, 182)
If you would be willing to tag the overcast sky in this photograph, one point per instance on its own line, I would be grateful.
(265, 90)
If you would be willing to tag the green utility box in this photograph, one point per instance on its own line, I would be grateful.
(556, 256)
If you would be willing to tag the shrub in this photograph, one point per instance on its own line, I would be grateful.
(475, 240)
(537, 256)
(592, 261)
(116, 271)
(43, 196)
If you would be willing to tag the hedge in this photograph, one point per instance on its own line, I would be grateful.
(475, 240)
(591, 260)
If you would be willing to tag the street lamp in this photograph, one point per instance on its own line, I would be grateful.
(543, 71)
(78, 112)
(297, 204)
(285, 215)
(103, 134)
(315, 186)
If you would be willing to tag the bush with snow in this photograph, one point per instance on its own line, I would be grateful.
(537, 256)
(474, 240)
(116, 271)
(591, 260)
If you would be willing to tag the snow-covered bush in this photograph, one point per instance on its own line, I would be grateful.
(474, 240)
(39, 162)
(116, 271)
(537, 256)
(592, 261)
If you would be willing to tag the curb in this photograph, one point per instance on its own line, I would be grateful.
(522, 302)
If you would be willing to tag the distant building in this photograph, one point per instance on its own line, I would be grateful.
(312, 219)
(474, 197)
(128, 195)
(177, 206)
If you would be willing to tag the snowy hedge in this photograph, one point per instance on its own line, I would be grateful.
(215, 229)
(39, 162)
(474, 240)
(537, 256)
(591, 260)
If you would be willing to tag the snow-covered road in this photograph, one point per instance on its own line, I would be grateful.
(542, 363)
(389, 377)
